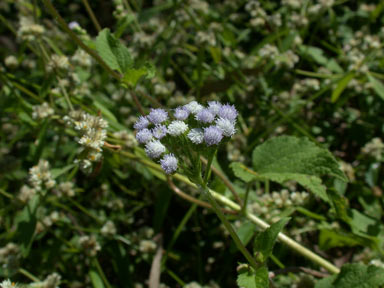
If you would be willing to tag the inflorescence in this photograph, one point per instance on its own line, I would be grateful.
(193, 125)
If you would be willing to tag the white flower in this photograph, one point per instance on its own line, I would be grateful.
(194, 107)
(177, 127)
(154, 149)
(196, 135)
(7, 284)
(226, 126)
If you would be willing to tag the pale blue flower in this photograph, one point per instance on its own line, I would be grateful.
(214, 107)
(169, 163)
(141, 123)
(228, 111)
(159, 131)
(205, 116)
(144, 136)
(157, 116)
(212, 135)
(181, 113)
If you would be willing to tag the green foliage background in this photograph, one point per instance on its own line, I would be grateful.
(306, 78)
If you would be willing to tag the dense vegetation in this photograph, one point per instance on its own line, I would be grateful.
(153, 143)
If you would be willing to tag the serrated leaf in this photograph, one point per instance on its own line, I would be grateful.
(341, 85)
(355, 275)
(329, 239)
(290, 158)
(377, 86)
(113, 52)
(289, 154)
(312, 183)
(253, 279)
(265, 241)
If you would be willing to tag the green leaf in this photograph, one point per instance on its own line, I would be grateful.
(355, 275)
(60, 171)
(26, 224)
(341, 85)
(377, 86)
(265, 241)
(243, 172)
(113, 52)
(290, 158)
(248, 278)
(96, 280)
(317, 54)
(329, 239)
(133, 75)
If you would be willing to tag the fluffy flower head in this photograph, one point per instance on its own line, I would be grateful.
(214, 107)
(212, 135)
(226, 126)
(141, 123)
(181, 113)
(144, 136)
(228, 112)
(193, 107)
(157, 116)
(205, 116)
(159, 131)
(169, 163)
(177, 128)
(154, 149)
(196, 135)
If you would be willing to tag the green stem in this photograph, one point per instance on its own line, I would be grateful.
(229, 228)
(259, 222)
(208, 167)
(74, 37)
(246, 198)
(28, 275)
(101, 272)
(92, 15)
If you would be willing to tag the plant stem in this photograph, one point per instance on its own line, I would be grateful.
(259, 222)
(74, 37)
(28, 275)
(221, 216)
(92, 15)
(229, 227)
(208, 167)
(246, 198)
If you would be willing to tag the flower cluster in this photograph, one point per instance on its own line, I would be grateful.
(93, 133)
(41, 174)
(42, 111)
(190, 124)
